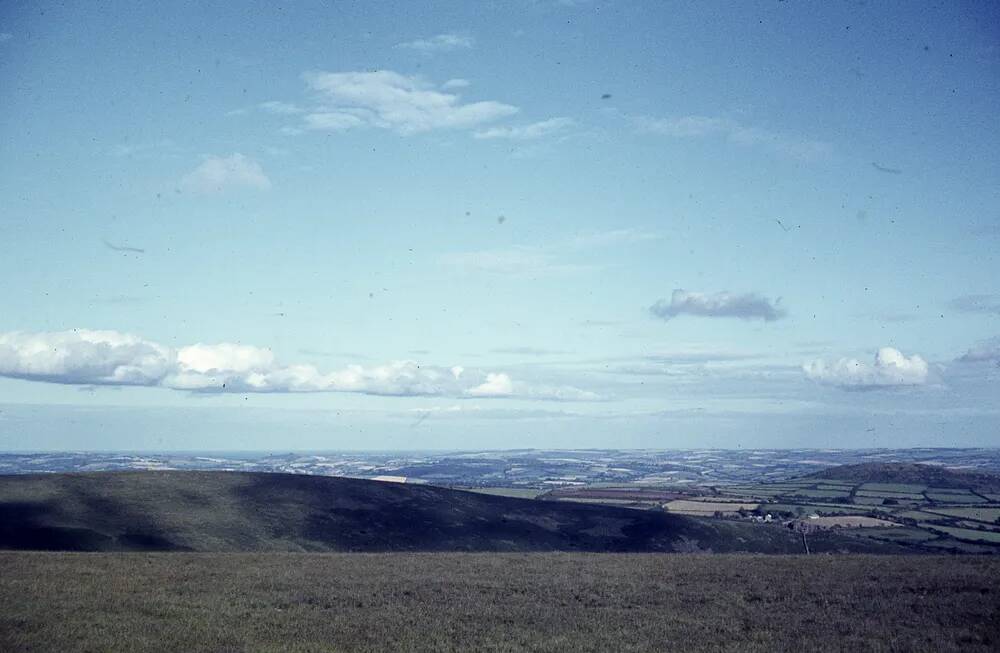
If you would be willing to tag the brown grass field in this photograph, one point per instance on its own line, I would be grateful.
(496, 602)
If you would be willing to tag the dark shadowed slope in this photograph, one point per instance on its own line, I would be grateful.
(911, 473)
(227, 511)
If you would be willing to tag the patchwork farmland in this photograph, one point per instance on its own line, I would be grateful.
(949, 511)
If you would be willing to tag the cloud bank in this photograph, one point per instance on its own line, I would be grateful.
(111, 358)
(891, 368)
(746, 306)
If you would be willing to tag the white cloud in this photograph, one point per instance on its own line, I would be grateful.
(701, 126)
(562, 393)
(495, 385)
(746, 306)
(82, 357)
(389, 100)
(237, 358)
(332, 121)
(440, 43)
(216, 173)
(890, 369)
(456, 83)
(527, 132)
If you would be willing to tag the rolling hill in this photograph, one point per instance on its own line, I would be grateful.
(260, 512)
(911, 473)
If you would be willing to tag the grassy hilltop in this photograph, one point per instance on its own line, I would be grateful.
(223, 511)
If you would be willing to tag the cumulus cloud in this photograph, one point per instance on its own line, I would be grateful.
(891, 368)
(989, 304)
(746, 306)
(440, 43)
(217, 173)
(389, 100)
(495, 385)
(84, 357)
(695, 126)
(988, 350)
(529, 132)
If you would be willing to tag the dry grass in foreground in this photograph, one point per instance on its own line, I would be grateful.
(496, 602)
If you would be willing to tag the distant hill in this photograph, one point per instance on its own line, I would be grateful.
(910, 473)
(231, 511)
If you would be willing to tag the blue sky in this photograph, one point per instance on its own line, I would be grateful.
(340, 226)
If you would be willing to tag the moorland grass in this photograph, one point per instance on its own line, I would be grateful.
(496, 602)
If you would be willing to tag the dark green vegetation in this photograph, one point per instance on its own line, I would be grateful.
(229, 511)
(496, 602)
(911, 473)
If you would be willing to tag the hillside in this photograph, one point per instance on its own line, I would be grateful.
(258, 512)
(313, 602)
(911, 473)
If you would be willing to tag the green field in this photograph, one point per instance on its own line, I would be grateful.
(752, 491)
(990, 515)
(869, 501)
(890, 495)
(898, 534)
(955, 497)
(906, 488)
(819, 509)
(496, 602)
(991, 537)
(958, 546)
(918, 514)
(945, 505)
(819, 494)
